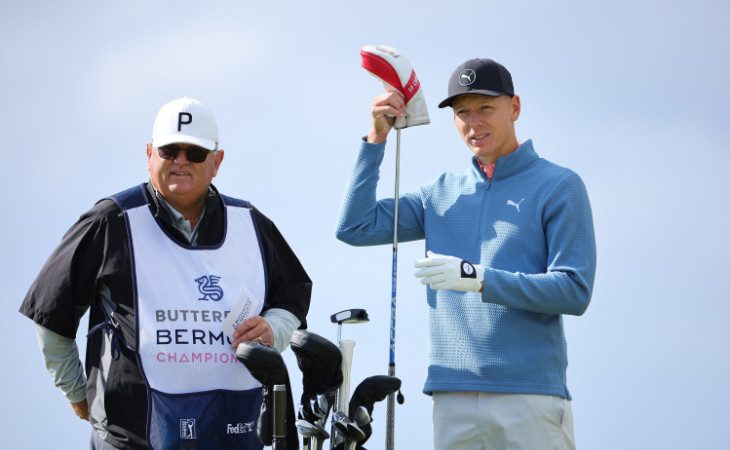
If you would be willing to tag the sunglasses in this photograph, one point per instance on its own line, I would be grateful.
(193, 154)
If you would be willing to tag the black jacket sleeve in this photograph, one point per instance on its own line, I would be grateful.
(289, 286)
(87, 255)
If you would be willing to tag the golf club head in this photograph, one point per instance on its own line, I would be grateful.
(305, 412)
(322, 403)
(263, 361)
(306, 428)
(323, 406)
(341, 428)
(373, 389)
(320, 362)
(321, 432)
(318, 442)
(314, 409)
(267, 366)
(350, 316)
(339, 422)
(347, 428)
(354, 432)
(361, 416)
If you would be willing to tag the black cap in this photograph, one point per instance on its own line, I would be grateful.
(479, 76)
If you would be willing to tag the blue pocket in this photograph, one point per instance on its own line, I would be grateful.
(206, 420)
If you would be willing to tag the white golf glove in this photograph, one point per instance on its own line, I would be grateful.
(395, 73)
(449, 272)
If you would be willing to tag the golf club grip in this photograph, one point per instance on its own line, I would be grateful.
(279, 410)
(390, 415)
(343, 396)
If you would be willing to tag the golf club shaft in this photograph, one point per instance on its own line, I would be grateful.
(390, 419)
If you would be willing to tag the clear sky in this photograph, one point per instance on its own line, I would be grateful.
(632, 95)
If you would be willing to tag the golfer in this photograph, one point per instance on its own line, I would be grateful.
(159, 266)
(510, 249)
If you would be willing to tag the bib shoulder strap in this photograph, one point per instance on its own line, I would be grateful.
(131, 198)
(230, 201)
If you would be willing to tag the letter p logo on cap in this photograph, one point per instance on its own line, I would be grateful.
(180, 122)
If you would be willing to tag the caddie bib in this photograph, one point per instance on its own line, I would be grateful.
(199, 394)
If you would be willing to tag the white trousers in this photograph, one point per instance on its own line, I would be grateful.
(479, 420)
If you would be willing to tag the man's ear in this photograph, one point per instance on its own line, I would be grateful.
(149, 154)
(218, 159)
(516, 107)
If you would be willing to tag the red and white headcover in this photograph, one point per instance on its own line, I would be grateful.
(395, 73)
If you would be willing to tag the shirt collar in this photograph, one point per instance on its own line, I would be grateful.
(178, 220)
(487, 170)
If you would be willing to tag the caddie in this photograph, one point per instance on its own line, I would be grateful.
(159, 266)
(510, 249)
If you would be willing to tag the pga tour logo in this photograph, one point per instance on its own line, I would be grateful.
(209, 288)
(187, 429)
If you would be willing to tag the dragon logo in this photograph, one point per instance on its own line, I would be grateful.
(208, 287)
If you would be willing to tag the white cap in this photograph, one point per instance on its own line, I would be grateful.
(185, 121)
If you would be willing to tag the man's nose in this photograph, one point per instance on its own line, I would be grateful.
(182, 157)
(474, 119)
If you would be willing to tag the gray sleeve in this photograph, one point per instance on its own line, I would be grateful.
(282, 323)
(61, 356)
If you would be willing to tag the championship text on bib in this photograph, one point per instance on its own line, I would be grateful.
(183, 296)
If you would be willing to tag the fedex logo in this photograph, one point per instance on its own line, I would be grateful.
(240, 428)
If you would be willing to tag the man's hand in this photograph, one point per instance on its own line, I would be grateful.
(396, 74)
(384, 110)
(449, 272)
(81, 409)
(254, 328)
